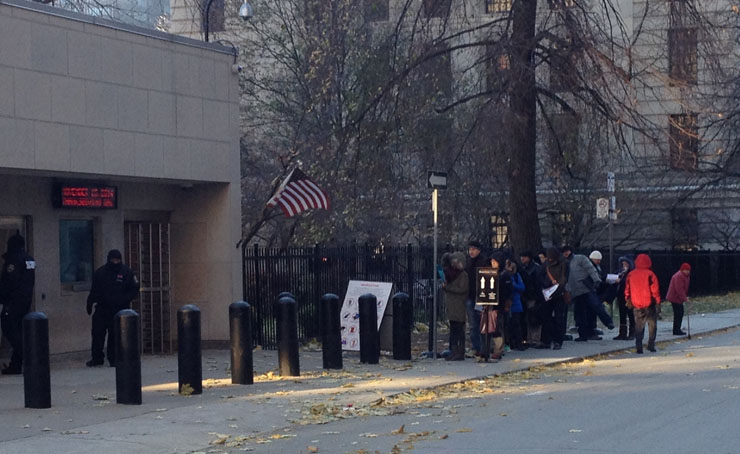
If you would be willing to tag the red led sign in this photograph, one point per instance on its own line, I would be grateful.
(73, 196)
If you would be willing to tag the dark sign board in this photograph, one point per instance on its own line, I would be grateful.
(85, 196)
(486, 286)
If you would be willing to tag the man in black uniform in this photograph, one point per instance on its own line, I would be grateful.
(16, 293)
(114, 285)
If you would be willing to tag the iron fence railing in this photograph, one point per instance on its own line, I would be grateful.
(310, 272)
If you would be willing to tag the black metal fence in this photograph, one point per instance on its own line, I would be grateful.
(310, 272)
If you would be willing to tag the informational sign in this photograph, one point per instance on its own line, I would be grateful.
(486, 284)
(436, 180)
(610, 181)
(350, 315)
(602, 208)
(85, 196)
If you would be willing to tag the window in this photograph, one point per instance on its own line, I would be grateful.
(563, 74)
(685, 226)
(215, 16)
(563, 143)
(499, 231)
(498, 68)
(436, 75)
(683, 138)
(376, 10)
(561, 4)
(436, 8)
(682, 43)
(498, 6)
(75, 254)
(9, 226)
(562, 227)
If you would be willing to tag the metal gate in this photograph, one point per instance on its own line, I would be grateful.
(148, 254)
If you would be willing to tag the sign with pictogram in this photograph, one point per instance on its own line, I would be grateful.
(487, 287)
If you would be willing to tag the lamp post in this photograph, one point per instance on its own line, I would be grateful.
(245, 12)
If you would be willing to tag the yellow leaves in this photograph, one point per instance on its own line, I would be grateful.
(690, 355)
(186, 389)
(312, 449)
(464, 430)
(220, 438)
(399, 430)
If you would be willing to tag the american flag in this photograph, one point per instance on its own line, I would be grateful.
(297, 193)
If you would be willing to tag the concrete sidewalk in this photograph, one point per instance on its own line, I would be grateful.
(84, 417)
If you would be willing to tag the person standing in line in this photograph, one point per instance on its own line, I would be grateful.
(583, 282)
(475, 260)
(114, 286)
(455, 289)
(532, 298)
(16, 294)
(626, 314)
(643, 294)
(678, 294)
(514, 337)
(553, 329)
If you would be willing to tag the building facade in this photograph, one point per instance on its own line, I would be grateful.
(118, 137)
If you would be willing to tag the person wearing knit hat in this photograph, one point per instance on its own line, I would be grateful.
(678, 294)
(594, 256)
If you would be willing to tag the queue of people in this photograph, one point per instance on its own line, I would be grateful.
(536, 292)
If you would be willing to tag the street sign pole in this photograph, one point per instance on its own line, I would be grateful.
(612, 207)
(434, 272)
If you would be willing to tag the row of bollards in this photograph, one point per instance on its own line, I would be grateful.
(36, 370)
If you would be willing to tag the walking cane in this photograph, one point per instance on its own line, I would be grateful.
(688, 319)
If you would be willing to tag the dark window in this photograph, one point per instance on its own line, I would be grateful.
(499, 231)
(685, 225)
(563, 141)
(436, 75)
(376, 10)
(436, 8)
(682, 49)
(75, 253)
(563, 74)
(683, 138)
(562, 228)
(498, 6)
(498, 66)
(215, 16)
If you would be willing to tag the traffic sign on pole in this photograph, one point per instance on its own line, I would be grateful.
(436, 180)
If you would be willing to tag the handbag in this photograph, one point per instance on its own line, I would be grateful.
(489, 321)
(566, 293)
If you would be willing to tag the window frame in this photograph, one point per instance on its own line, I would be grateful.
(77, 285)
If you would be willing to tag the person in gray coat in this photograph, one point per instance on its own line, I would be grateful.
(583, 283)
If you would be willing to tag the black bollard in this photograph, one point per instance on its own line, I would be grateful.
(36, 372)
(189, 363)
(402, 320)
(369, 335)
(331, 331)
(287, 331)
(240, 329)
(128, 359)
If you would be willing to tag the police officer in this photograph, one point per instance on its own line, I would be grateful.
(114, 285)
(16, 293)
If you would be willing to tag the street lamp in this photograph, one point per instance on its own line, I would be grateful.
(245, 12)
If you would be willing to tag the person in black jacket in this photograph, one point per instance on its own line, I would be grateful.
(532, 299)
(475, 260)
(16, 294)
(114, 285)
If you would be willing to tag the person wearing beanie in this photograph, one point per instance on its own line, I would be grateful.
(583, 283)
(626, 314)
(475, 260)
(643, 294)
(16, 294)
(114, 286)
(594, 256)
(678, 294)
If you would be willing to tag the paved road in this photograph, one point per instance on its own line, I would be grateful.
(683, 399)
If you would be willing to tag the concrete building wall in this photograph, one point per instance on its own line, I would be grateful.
(89, 101)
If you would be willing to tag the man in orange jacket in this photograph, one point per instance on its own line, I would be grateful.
(642, 292)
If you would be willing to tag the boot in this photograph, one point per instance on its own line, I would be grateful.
(622, 333)
(631, 335)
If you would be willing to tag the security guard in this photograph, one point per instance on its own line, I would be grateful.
(16, 293)
(114, 285)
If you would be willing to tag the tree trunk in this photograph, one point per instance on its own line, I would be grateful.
(524, 227)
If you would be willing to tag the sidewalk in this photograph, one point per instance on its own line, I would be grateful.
(84, 417)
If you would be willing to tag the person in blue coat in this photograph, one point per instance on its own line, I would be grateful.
(517, 309)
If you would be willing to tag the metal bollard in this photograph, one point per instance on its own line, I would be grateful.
(331, 331)
(240, 329)
(128, 359)
(36, 372)
(402, 321)
(369, 335)
(287, 331)
(189, 359)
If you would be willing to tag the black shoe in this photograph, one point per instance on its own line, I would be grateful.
(12, 370)
(621, 337)
(557, 346)
(600, 332)
(581, 339)
(630, 338)
(610, 327)
(595, 337)
(93, 363)
(639, 352)
(651, 349)
(568, 337)
(541, 346)
(679, 333)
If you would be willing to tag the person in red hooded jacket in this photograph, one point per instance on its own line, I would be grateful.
(678, 293)
(642, 292)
